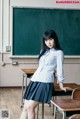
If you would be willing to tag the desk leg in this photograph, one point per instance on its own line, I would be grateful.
(37, 111)
(55, 112)
(22, 91)
(64, 115)
(54, 97)
(24, 76)
(42, 110)
(26, 83)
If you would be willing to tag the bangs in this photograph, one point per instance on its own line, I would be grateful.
(46, 37)
(49, 35)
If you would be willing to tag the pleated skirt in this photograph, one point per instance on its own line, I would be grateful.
(39, 91)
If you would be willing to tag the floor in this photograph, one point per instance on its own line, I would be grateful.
(10, 100)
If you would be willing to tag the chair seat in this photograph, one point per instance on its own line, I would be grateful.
(75, 116)
(68, 114)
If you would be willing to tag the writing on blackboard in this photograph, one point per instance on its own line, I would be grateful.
(67, 2)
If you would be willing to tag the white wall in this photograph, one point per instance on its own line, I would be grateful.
(11, 75)
(44, 4)
(0, 25)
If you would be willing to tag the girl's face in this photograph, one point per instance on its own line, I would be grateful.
(49, 43)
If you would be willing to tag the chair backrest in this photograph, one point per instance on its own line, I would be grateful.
(75, 116)
(76, 93)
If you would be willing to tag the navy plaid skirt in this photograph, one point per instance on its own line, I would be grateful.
(39, 91)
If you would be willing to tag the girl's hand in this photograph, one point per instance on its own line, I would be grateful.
(66, 88)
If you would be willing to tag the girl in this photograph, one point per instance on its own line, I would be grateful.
(41, 86)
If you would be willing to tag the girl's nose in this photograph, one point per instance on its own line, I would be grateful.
(49, 42)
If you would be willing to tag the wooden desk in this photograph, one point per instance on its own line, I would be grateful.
(27, 73)
(65, 105)
(59, 92)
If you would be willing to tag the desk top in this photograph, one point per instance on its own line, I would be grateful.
(67, 104)
(28, 71)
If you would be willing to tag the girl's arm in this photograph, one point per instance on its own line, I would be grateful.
(60, 75)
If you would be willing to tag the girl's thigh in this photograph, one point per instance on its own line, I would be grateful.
(30, 104)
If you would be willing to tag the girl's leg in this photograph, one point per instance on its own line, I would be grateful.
(24, 114)
(31, 108)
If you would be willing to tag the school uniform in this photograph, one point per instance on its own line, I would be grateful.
(41, 86)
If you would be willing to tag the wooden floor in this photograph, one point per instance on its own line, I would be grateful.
(10, 98)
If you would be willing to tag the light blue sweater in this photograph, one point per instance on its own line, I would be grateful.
(50, 61)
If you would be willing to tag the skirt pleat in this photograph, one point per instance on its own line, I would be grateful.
(39, 91)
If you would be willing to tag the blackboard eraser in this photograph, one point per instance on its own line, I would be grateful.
(14, 63)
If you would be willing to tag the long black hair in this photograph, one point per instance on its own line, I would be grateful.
(49, 35)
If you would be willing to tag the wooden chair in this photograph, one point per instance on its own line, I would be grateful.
(75, 116)
(75, 95)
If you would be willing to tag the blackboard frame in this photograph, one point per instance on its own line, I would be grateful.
(28, 56)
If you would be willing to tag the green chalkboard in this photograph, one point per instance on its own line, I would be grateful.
(29, 24)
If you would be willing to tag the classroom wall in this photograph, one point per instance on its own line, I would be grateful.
(0, 24)
(11, 75)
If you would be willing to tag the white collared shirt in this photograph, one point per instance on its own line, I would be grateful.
(50, 61)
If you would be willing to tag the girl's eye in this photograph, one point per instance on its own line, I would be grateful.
(51, 39)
